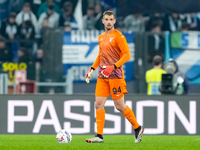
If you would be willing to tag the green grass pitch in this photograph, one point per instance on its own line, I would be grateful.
(111, 142)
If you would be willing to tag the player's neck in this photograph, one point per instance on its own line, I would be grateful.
(109, 31)
(157, 67)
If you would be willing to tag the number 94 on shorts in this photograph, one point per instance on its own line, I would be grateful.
(115, 87)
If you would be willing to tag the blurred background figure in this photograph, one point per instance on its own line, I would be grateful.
(155, 17)
(156, 41)
(89, 19)
(67, 16)
(6, 54)
(67, 27)
(39, 55)
(44, 7)
(193, 21)
(120, 24)
(9, 28)
(134, 22)
(49, 19)
(23, 55)
(26, 30)
(185, 27)
(154, 76)
(172, 22)
(180, 83)
(26, 14)
(98, 17)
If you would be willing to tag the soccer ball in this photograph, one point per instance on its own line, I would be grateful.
(64, 136)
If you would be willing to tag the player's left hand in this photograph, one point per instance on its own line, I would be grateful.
(107, 71)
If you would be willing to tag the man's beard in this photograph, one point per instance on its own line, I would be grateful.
(109, 28)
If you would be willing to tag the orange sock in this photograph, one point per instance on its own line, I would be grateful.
(100, 120)
(128, 113)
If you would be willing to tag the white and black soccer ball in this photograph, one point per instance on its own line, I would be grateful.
(64, 136)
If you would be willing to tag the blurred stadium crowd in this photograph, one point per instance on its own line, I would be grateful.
(22, 21)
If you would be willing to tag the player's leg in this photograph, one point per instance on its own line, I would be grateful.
(126, 111)
(100, 120)
(130, 116)
(117, 92)
(100, 114)
(102, 92)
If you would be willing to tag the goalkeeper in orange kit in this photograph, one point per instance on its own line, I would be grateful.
(113, 53)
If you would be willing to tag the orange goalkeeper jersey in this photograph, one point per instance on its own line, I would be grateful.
(112, 46)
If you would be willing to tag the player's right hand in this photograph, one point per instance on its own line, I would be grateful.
(107, 70)
(89, 75)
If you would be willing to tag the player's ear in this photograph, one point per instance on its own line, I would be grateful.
(114, 21)
(102, 21)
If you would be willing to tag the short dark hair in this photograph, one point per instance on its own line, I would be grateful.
(12, 15)
(2, 40)
(67, 4)
(90, 8)
(26, 4)
(185, 25)
(51, 7)
(23, 49)
(109, 13)
(157, 60)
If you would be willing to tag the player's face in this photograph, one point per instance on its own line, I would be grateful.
(108, 21)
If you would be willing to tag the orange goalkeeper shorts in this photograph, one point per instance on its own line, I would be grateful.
(117, 88)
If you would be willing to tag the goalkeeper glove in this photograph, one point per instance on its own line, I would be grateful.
(108, 70)
(89, 75)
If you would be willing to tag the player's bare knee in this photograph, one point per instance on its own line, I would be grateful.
(120, 107)
(99, 106)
